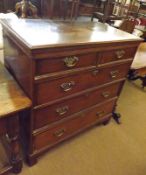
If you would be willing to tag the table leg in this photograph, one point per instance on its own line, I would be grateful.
(13, 138)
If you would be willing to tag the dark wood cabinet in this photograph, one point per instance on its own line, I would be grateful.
(9, 5)
(48, 8)
(73, 73)
(6, 5)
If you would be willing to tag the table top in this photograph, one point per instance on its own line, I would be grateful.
(12, 98)
(38, 33)
(140, 57)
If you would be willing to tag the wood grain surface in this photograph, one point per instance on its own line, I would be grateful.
(12, 98)
(46, 33)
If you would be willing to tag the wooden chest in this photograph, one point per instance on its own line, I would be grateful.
(73, 72)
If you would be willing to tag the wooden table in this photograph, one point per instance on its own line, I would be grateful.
(12, 101)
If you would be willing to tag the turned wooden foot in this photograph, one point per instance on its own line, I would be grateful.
(17, 166)
(14, 146)
(106, 122)
(31, 160)
(143, 79)
(132, 75)
(116, 117)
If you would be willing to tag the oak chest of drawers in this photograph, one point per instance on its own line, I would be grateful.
(73, 72)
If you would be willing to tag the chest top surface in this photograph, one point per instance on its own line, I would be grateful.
(38, 33)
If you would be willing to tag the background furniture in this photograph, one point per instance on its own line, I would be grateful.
(138, 67)
(87, 7)
(9, 5)
(48, 8)
(115, 10)
(12, 101)
(73, 82)
(26, 9)
(60, 8)
(105, 11)
(127, 25)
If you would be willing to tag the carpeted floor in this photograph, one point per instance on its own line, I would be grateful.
(104, 150)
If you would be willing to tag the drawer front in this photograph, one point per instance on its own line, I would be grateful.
(55, 89)
(72, 126)
(116, 55)
(65, 63)
(66, 108)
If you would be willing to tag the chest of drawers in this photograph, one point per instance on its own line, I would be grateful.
(73, 72)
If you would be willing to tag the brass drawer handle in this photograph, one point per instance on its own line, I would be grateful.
(100, 113)
(71, 61)
(67, 86)
(95, 72)
(114, 74)
(120, 53)
(62, 110)
(59, 133)
(106, 94)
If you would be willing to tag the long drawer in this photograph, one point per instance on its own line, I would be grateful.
(64, 109)
(65, 63)
(60, 87)
(73, 125)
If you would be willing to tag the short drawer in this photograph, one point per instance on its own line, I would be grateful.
(61, 87)
(68, 107)
(116, 55)
(65, 63)
(71, 126)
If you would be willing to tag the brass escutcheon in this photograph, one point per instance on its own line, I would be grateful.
(106, 94)
(67, 86)
(120, 53)
(71, 61)
(114, 74)
(59, 133)
(62, 110)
